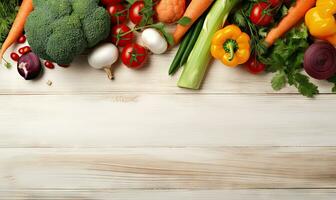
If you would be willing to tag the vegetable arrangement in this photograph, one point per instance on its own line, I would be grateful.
(282, 40)
(294, 39)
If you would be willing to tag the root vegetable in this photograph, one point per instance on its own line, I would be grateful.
(29, 66)
(154, 41)
(320, 60)
(103, 57)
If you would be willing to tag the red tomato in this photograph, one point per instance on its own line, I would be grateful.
(254, 66)
(134, 56)
(24, 50)
(122, 35)
(14, 56)
(118, 13)
(109, 2)
(275, 3)
(261, 14)
(135, 12)
(22, 39)
(49, 64)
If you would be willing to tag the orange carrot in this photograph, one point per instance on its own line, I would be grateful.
(18, 25)
(195, 9)
(295, 14)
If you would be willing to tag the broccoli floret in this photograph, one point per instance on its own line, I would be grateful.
(83, 8)
(38, 31)
(95, 24)
(59, 30)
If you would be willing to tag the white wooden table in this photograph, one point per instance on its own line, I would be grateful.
(141, 137)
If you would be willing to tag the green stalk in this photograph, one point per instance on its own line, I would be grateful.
(183, 46)
(195, 34)
(196, 66)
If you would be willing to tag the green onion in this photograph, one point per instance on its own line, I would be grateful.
(176, 62)
(196, 66)
(195, 34)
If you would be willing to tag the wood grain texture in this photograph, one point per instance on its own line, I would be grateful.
(80, 78)
(278, 194)
(128, 120)
(169, 168)
(140, 137)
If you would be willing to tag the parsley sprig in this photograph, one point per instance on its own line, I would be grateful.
(285, 59)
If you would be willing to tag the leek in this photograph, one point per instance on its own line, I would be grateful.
(196, 66)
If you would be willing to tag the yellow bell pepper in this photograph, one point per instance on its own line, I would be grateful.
(231, 46)
(321, 22)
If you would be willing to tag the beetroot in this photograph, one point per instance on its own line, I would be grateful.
(29, 66)
(320, 60)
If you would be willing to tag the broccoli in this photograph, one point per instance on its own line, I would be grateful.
(59, 30)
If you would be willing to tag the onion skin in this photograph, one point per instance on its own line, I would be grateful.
(320, 60)
(29, 66)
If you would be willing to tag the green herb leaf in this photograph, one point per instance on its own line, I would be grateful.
(304, 86)
(147, 13)
(334, 89)
(238, 18)
(184, 21)
(131, 1)
(279, 81)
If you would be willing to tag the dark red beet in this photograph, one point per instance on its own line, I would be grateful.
(320, 60)
(29, 66)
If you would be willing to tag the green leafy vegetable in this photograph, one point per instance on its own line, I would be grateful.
(8, 11)
(286, 60)
(279, 81)
(184, 21)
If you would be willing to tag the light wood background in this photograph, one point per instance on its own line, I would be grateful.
(140, 137)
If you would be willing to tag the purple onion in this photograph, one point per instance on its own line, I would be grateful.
(29, 66)
(320, 60)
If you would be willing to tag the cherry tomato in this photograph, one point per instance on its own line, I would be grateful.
(22, 39)
(49, 64)
(254, 66)
(134, 56)
(260, 14)
(14, 56)
(118, 13)
(109, 2)
(24, 50)
(135, 12)
(275, 3)
(122, 35)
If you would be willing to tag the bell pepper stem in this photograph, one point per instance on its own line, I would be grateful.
(231, 51)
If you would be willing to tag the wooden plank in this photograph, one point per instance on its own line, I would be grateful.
(168, 168)
(80, 78)
(166, 120)
(283, 194)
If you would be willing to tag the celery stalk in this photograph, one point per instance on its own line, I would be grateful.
(196, 66)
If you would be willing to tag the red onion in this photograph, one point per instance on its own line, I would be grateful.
(29, 66)
(320, 60)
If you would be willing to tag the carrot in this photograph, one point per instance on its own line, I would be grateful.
(195, 9)
(294, 16)
(18, 25)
